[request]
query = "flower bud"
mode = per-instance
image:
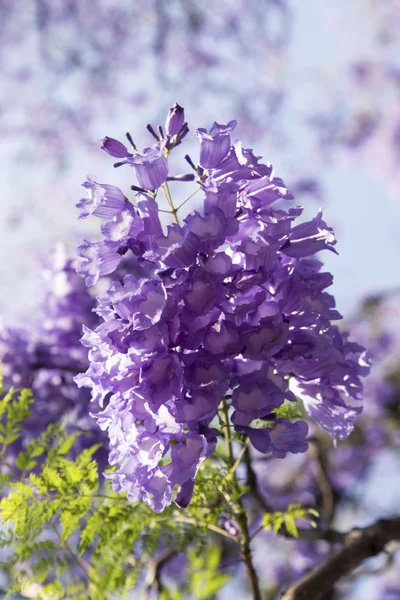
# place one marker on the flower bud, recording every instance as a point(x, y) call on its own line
point(175, 120)
point(115, 148)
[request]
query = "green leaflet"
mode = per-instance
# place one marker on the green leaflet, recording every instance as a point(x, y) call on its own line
point(277, 520)
point(291, 410)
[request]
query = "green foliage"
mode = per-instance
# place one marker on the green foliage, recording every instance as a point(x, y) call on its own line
point(71, 537)
point(85, 544)
point(287, 519)
point(89, 536)
point(14, 409)
point(291, 410)
point(215, 492)
point(171, 594)
point(204, 576)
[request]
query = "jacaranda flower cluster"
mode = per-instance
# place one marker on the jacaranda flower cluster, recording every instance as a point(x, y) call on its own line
point(46, 354)
point(228, 304)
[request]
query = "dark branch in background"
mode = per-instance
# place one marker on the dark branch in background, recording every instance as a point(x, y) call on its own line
point(321, 477)
point(358, 545)
point(390, 552)
point(153, 576)
point(252, 484)
point(312, 535)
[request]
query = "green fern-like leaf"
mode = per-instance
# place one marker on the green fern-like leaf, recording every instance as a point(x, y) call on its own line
point(205, 580)
point(276, 520)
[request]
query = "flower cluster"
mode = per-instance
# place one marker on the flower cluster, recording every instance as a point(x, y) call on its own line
point(46, 354)
point(229, 304)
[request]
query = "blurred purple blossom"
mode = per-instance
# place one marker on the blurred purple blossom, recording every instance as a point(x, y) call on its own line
point(45, 355)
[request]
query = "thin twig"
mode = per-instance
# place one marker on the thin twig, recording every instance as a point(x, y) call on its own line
point(210, 526)
point(167, 194)
point(188, 198)
point(240, 514)
point(239, 458)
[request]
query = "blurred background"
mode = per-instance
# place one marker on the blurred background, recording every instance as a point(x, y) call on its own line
point(315, 88)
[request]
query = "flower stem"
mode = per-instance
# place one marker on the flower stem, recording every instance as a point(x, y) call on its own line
point(240, 512)
point(227, 434)
point(188, 198)
point(240, 457)
point(168, 196)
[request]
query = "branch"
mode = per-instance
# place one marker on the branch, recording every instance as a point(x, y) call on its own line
point(328, 535)
point(358, 545)
point(390, 552)
point(252, 483)
point(321, 477)
point(240, 513)
point(153, 577)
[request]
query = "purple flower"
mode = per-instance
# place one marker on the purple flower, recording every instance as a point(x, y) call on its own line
point(288, 437)
point(223, 197)
point(151, 167)
point(186, 457)
point(47, 353)
point(214, 146)
point(162, 380)
point(120, 226)
point(333, 414)
point(209, 232)
point(97, 259)
point(308, 238)
point(265, 341)
point(257, 399)
point(200, 406)
point(264, 191)
point(15, 357)
point(223, 338)
point(104, 201)
point(281, 438)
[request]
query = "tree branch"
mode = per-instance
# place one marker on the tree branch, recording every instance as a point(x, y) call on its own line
point(358, 545)
point(153, 577)
point(252, 483)
point(328, 535)
point(327, 494)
